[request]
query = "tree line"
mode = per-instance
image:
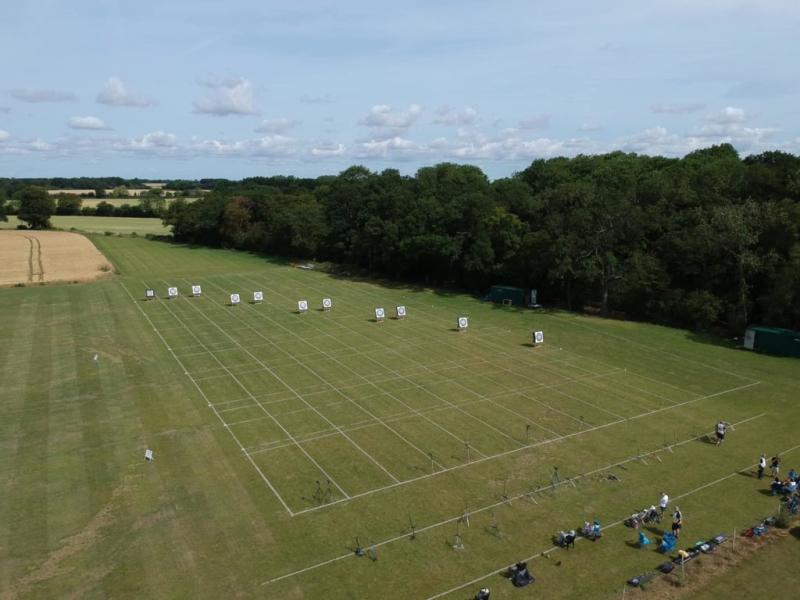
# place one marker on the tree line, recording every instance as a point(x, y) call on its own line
point(708, 241)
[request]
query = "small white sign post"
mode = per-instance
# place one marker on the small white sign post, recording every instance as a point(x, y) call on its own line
point(302, 306)
point(538, 338)
point(148, 455)
point(380, 314)
point(463, 323)
point(235, 299)
point(172, 292)
point(149, 294)
point(327, 304)
point(400, 312)
point(258, 297)
point(196, 291)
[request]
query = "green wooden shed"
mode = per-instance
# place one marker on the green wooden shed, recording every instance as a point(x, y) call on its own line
point(773, 340)
point(505, 294)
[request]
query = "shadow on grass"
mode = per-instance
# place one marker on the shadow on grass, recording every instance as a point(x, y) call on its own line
point(795, 532)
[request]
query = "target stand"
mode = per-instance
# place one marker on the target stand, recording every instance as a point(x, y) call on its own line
point(537, 338)
point(258, 297)
point(302, 306)
point(235, 299)
point(380, 315)
point(172, 292)
point(327, 304)
point(462, 323)
point(197, 291)
point(149, 294)
point(400, 312)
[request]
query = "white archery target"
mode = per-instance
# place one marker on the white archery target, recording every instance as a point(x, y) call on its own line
point(380, 314)
point(327, 303)
point(196, 290)
point(302, 305)
point(235, 299)
point(538, 337)
point(258, 296)
point(400, 311)
point(463, 322)
point(172, 292)
point(148, 293)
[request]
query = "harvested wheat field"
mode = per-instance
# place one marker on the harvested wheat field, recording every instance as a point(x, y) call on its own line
point(46, 256)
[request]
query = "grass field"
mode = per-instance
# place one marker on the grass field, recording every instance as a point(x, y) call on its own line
point(280, 438)
point(123, 225)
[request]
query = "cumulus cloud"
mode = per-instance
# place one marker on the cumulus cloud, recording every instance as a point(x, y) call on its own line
point(676, 109)
point(153, 142)
point(534, 122)
point(232, 96)
point(446, 115)
point(382, 116)
point(280, 125)
point(273, 146)
point(41, 95)
point(729, 115)
point(396, 147)
point(114, 93)
point(328, 149)
point(87, 123)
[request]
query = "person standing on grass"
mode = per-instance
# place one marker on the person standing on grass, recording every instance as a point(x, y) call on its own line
point(663, 502)
point(722, 427)
point(762, 464)
point(775, 463)
point(677, 522)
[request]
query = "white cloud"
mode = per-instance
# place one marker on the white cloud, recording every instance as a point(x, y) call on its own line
point(281, 125)
point(273, 146)
point(729, 115)
point(230, 97)
point(382, 116)
point(114, 93)
point(396, 147)
point(41, 95)
point(4, 135)
point(534, 122)
point(676, 109)
point(328, 150)
point(87, 123)
point(153, 142)
point(446, 115)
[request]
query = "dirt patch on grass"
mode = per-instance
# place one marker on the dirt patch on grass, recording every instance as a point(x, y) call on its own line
point(707, 569)
point(37, 257)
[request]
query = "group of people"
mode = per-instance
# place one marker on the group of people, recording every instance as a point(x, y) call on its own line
point(774, 463)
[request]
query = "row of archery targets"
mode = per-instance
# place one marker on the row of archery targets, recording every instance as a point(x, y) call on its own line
point(462, 323)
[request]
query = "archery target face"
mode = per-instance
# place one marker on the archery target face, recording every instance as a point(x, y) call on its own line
point(149, 293)
point(538, 337)
point(196, 291)
point(463, 322)
point(172, 292)
point(235, 299)
point(401, 311)
point(258, 296)
point(302, 305)
point(327, 303)
point(379, 313)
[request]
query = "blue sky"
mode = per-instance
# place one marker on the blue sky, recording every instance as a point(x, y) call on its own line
point(234, 89)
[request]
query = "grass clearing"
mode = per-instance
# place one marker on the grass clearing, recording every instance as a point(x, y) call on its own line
point(117, 225)
point(280, 437)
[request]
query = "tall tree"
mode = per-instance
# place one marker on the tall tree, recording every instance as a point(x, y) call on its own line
point(36, 207)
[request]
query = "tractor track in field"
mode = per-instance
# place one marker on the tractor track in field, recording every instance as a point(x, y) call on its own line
point(35, 265)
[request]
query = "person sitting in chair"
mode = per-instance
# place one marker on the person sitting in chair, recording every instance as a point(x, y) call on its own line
point(483, 594)
point(596, 533)
point(776, 486)
point(521, 576)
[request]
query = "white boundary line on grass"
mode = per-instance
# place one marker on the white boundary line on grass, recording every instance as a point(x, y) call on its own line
point(233, 435)
point(253, 397)
point(495, 505)
point(301, 398)
point(614, 524)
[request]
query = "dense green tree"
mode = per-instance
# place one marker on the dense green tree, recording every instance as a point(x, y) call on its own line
point(68, 204)
point(36, 207)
